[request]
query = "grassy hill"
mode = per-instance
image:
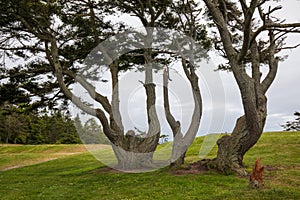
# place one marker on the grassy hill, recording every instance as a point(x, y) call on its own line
point(76, 176)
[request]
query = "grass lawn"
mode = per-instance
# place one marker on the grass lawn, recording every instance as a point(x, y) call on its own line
point(14, 156)
point(76, 176)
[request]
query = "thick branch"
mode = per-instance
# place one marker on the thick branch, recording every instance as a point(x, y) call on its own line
point(273, 64)
point(225, 35)
point(255, 63)
point(90, 89)
point(280, 27)
point(244, 5)
point(116, 118)
point(175, 125)
point(52, 56)
point(197, 113)
point(222, 27)
point(247, 30)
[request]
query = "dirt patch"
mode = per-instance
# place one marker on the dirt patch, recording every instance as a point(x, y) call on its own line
point(199, 167)
point(10, 145)
point(106, 170)
point(27, 164)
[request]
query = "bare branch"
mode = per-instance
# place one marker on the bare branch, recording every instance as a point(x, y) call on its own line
point(273, 10)
point(290, 47)
point(280, 27)
point(262, 2)
point(175, 125)
point(52, 56)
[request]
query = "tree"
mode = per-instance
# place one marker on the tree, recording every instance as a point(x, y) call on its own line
point(249, 37)
point(293, 125)
point(13, 124)
point(32, 29)
point(184, 17)
point(57, 128)
point(91, 133)
point(140, 148)
point(64, 32)
point(20, 126)
point(12, 94)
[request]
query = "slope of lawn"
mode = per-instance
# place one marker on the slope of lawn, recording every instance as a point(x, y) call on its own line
point(14, 156)
point(78, 177)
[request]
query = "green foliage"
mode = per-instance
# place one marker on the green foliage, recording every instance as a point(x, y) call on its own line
point(91, 133)
point(293, 125)
point(10, 92)
point(13, 124)
point(19, 126)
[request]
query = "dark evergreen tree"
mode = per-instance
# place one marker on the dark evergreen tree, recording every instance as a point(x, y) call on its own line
point(293, 125)
point(13, 124)
point(92, 133)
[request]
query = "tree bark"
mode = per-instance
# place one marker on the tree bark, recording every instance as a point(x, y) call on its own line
point(181, 143)
point(231, 149)
point(136, 155)
point(179, 162)
point(247, 131)
point(6, 139)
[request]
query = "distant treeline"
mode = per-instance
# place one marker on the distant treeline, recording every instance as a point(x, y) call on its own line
point(17, 126)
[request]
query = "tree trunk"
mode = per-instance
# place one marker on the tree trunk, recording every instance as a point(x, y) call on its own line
point(135, 158)
point(180, 161)
point(232, 148)
point(7, 138)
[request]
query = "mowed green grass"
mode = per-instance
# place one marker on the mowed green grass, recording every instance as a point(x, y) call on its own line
point(14, 156)
point(76, 177)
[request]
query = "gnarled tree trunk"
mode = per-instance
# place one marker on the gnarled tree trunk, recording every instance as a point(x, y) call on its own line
point(134, 159)
point(247, 131)
point(232, 148)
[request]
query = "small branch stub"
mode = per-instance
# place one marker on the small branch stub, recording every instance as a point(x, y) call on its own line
point(256, 175)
